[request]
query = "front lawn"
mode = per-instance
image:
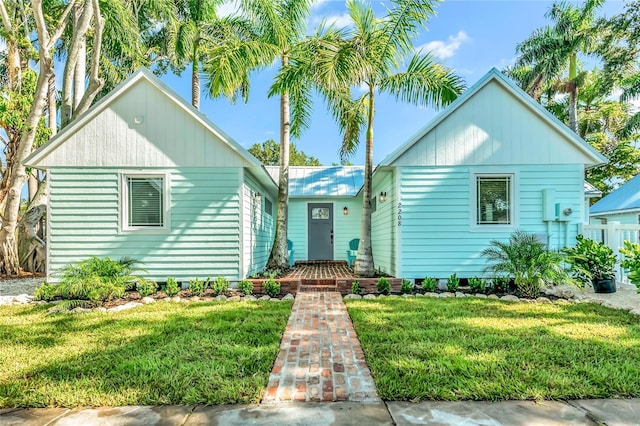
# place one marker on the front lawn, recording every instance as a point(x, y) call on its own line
point(164, 353)
point(479, 349)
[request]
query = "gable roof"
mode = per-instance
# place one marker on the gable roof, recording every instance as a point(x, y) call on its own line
point(625, 198)
point(591, 191)
point(332, 181)
point(593, 156)
point(111, 109)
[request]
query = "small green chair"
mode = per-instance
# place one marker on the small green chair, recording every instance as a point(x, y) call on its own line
point(290, 249)
point(353, 250)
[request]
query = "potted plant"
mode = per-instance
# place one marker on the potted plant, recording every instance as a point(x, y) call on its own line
point(593, 262)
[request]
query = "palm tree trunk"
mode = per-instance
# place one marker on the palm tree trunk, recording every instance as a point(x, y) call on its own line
point(195, 78)
point(364, 266)
point(279, 258)
point(573, 93)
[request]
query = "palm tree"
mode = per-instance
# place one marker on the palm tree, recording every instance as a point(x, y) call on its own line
point(277, 26)
point(369, 55)
point(550, 56)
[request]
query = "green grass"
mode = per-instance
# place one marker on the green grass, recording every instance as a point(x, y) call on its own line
point(165, 353)
point(478, 349)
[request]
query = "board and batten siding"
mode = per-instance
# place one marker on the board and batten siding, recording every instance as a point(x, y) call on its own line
point(204, 235)
point(384, 223)
point(258, 226)
point(345, 228)
point(437, 238)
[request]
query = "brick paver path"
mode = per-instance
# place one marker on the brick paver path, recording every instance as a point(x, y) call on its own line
point(320, 270)
point(320, 355)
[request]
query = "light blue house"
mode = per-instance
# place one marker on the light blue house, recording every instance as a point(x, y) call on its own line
point(622, 205)
point(143, 174)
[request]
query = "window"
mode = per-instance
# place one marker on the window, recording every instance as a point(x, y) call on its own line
point(321, 213)
point(494, 200)
point(144, 202)
point(268, 206)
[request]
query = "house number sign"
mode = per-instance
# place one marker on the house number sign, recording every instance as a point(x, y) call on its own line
point(399, 214)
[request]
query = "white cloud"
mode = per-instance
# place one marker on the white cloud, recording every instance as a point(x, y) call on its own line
point(445, 49)
point(340, 21)
point(317, 4)
point(227, 8)
point(504, 63)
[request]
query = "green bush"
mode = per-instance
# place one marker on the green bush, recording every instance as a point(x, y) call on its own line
point(631, 261)
point(220, 285)
point(355, 287)
point(246, 287)
point(171, 288)
point(46, 292)
point(453, 282)
point(383, 286)
point(476, 284)
point(589, 260)
point(499, 284)
point(106, 291)
point(147, 287)
point(429, 284)
point(198, 287)
point(271, 287)
point(406, 287)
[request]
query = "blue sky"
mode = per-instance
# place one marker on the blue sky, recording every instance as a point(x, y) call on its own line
point(468, 36)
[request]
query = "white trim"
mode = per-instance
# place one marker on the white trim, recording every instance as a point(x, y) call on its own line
point(243, 268)
point(514, 192)
point(47, 268)
point(394, 220)
point(123, 201)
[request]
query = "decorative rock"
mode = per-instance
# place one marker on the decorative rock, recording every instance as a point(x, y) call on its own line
point(176, 299)
point(221, 298)
point(125, 307)
point(249, 298)
point(419, 295)
point(635, 311)
point(493, 296)
point(543, 299)
point(562, 302)
point(22, 299)
point(509, 298)
point(459, 294)
point(207, 299)
point(6, 300)
point(480, 295)
point(352, 296)
point(265, 297)
point(562, 291)
point(101, 309)
point(234, 299)
point(369, 296)
point(431, 294)
point(393, 296)
point(408, 295)
point(195, 298)
point(442, 285)
point(147, 300)
point(80, 309)
point(288, 296)
point(274, 299)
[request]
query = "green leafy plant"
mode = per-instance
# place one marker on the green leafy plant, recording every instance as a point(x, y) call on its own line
point(147, 287)
point(525, 258)
point(383, 286)
point(355, 287)
point(271, 287)
point(220, 285)
point(198, 287)
point(429, 284)
point(477, 284)
point(631, 261)
point(406, 287)
point(246, 287)
point(171, 288)
point(453, 282)
point(499, 284)
point(589, 260)
point(46, 292)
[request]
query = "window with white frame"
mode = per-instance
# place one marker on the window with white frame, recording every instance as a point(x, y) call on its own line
point(144, 202)
point(494, 200)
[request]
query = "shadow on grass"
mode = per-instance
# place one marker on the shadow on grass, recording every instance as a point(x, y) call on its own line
point(493, 350)
point(210, 353)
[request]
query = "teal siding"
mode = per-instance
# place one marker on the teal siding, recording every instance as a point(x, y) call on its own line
point(258, 226)
point(384, 223)
point(204, 239)
point(345, 228)
point(623, 218)
point(437, 238)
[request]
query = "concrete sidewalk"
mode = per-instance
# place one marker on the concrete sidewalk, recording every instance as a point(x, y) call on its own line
point(611, 412)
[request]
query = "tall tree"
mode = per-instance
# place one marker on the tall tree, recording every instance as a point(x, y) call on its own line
point(550, 56)
point(277, 26)
point(369, 55)
point(269, 154)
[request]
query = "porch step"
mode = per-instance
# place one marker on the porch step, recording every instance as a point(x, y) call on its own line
point(318, 281)
point(317, 288)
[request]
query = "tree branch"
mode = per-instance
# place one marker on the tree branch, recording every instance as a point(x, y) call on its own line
point(95, 82)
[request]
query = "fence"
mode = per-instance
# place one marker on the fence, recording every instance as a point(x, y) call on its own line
point(613, 234)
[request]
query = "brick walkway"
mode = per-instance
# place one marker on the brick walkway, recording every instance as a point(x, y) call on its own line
point(314, 270)
point(320, 355)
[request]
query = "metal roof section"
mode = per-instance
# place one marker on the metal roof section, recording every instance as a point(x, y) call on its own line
point(627, 197)
point(332, 181)
point(591, 191)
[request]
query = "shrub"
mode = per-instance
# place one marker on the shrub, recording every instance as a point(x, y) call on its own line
point(406, 287)
point(246, 287)
point(453, 282)
point(429, 284)
point(499, 284)
point(589, 260)
point(197, 287)
point(631, 261)
point(271, 287)
point(477, 284)
point(355, 287)
point(105, 292)
point(383, 286)
point(220, 285)
point(46, 292)
point(171, 288)
point(147, 287)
